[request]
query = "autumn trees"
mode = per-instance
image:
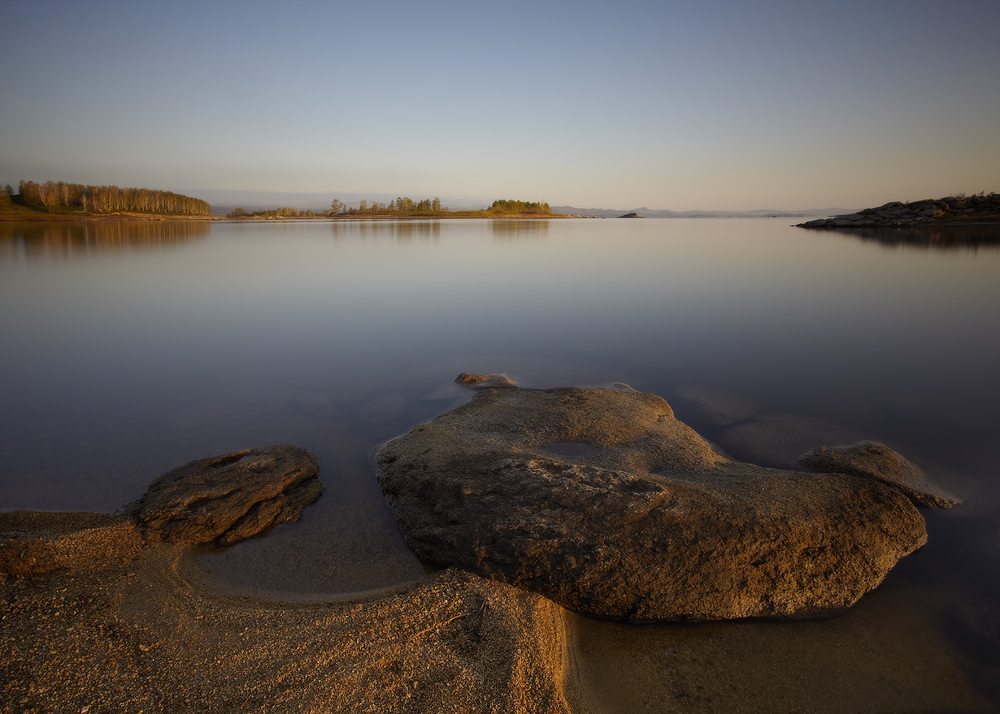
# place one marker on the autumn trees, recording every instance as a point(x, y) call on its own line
point(283, 212)
point(519, 207)
point(402, 206)
point(51, 195)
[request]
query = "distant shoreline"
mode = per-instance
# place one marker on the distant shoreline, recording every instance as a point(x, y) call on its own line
point(102, 218)
point(150, 217)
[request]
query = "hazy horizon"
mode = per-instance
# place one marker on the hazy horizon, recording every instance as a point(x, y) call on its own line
point(322, 199)
point(717, 106)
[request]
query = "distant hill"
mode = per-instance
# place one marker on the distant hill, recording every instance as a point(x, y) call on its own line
point(651, 213)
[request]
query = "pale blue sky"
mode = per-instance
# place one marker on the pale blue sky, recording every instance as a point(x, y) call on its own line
point(674, 105)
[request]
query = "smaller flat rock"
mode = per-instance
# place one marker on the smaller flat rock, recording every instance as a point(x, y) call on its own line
point(228, 498)
point(873, 460)
point(485, 381)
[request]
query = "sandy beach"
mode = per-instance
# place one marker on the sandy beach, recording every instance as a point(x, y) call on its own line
point(96, 619)
point(101, 621)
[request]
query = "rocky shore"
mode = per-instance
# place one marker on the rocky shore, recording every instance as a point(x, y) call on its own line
point(535, 503)
point(982, 209)
point(113, 613)
point(601, 500)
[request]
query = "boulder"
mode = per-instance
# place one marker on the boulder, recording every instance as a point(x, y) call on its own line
point(873, 460)
point(228, 498)
point(602, 501)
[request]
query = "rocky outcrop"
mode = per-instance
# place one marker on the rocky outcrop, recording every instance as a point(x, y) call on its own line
point(604, 502)
point(953, 210)
point(228, 498)
point(633, 214)
point(485, 381)
point(873, 460)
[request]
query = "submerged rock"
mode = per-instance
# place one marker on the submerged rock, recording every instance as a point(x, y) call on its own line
point(779, 439)
point(382, 410)
point(232, 497)
point(647, 524)
point(874, 460)
point(715, 406)
point(315, 404)
point(485, 381)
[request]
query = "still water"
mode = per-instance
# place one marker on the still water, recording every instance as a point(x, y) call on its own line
point(129, 349)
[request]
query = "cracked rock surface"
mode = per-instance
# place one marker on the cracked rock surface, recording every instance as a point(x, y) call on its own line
point(605, 503)
point(228, 498)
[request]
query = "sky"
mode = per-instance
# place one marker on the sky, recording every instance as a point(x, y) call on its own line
point(709, 105)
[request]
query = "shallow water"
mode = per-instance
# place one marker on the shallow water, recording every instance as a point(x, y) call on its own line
point(129, 349)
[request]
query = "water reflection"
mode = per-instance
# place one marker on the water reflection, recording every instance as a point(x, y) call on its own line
point(957, 238)
point(122, 366)
point(64, 239)
point(394, 230)
point(521, 229)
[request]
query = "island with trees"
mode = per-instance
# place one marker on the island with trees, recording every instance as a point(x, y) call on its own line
point(403, 207)
point(61, 200)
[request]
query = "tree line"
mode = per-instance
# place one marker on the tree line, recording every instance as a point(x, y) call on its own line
point(400, 206)
point(271, 213)
point(51, 195)
point(407, 206)
point(519, 207)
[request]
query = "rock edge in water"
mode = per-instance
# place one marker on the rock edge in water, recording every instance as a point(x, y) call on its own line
point(948, 211)
point(648, 523)
point(873, 460)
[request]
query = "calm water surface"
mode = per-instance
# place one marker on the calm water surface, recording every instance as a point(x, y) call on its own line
point(129, 349)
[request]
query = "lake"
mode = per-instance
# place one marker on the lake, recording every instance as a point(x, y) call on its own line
point(131, 348)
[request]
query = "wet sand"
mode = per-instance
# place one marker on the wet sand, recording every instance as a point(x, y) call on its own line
point(116, 624)
point(97, 619)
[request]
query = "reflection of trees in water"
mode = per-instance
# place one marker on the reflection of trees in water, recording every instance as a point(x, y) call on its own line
point(931, 237)
point(64, 238)
point(396, 230)
point(513, 229)
point(519, 229)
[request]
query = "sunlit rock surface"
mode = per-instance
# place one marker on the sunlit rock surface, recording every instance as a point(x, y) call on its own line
point(648, 523)
point(485, 381)
point(874, 460)
point(231, 497)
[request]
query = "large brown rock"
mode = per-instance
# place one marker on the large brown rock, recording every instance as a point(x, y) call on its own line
point(604, 502)
point(232, 497)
